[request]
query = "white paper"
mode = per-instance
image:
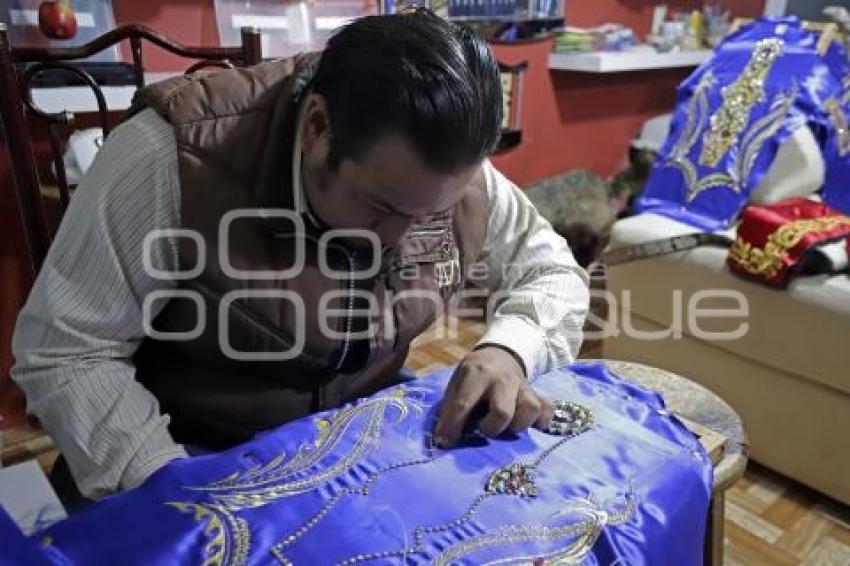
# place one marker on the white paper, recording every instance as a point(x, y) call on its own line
point(28, 498)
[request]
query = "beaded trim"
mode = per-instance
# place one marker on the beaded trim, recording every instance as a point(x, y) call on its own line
point(230, 538)
point(257, 487)
point(836, 108)
point(569, 420)
point(727, 120)
point(592, 519)
point(743, 161)
point(517, 478)
point(739, 98)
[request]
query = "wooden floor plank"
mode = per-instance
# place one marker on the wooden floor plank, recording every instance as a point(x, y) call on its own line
point(747, 548)
point(788, 509)
point(828, 552)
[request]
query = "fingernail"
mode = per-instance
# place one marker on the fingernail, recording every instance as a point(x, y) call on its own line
point(441, 442)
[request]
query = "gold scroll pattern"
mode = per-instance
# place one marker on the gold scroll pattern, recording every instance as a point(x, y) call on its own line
point(279, 478)
point(751, 143)
point(229, 537)
point(739, 98)
point(768, 261)
point(836, 108)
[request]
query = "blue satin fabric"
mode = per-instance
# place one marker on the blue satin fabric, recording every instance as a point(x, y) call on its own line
point(806, 77)
point(836, 189)
point(634, 489)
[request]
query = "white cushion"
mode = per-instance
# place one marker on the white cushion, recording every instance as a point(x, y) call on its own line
point(803, 330)
point(797, 171)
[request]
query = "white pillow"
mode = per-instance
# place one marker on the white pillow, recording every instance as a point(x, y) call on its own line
point(797, 171)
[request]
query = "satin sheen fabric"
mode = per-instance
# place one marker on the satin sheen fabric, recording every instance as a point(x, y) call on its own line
point(806, 85)
point(362, 485)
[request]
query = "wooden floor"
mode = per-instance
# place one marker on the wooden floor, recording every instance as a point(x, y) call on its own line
point(770, 520)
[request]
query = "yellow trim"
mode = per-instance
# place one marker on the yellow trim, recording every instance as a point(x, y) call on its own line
point(767, 261)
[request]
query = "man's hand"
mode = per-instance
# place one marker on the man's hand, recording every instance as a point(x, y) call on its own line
point(493, 378)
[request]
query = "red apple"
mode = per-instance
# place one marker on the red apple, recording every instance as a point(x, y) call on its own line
point(57, 20)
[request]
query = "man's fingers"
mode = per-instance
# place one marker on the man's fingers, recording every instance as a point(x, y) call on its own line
point(461, 397)
point(528, 407)
point(547, 411)
point(503, 398)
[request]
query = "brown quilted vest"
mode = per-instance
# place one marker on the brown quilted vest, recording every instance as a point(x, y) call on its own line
point(235, 132)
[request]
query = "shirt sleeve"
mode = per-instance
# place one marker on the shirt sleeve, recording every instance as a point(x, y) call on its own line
point(83, 321)
point(539, 294)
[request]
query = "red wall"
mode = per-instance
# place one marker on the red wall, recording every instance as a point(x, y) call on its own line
point(570, 120)
point(190, 22)
point(583, 120)
point(579, 120)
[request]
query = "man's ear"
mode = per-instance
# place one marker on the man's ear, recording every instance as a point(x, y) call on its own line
point(316, 132)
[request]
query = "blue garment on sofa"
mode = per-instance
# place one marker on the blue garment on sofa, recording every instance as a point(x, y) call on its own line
point(735, 111)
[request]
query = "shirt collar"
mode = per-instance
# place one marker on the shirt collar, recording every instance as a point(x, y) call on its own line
point(300, 204)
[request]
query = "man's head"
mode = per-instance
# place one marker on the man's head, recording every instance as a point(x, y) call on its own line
point(402, 111)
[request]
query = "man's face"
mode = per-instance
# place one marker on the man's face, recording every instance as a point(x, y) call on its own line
point(384, 191)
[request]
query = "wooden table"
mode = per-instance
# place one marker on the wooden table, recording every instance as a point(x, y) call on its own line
point(718, 427)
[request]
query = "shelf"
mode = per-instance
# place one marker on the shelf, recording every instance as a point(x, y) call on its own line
point(80, 99)
point(617, 61)
point(505, 19)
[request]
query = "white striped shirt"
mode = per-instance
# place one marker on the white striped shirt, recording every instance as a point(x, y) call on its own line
point(82, 323)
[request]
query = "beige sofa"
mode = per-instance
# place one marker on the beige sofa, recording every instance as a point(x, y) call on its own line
point(788, 376)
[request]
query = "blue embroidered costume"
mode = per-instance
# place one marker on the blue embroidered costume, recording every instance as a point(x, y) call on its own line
point(615, 479)
point(734, 113)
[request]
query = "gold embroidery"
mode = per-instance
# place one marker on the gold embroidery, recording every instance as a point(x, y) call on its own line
point(828, 32)
point(574, 420)
point(739, 98)
point(230, 537)
point(260, 486)
point(227, 544)
point(743, 161)
point(697, 114)
point(836, 108)
point(768, 261)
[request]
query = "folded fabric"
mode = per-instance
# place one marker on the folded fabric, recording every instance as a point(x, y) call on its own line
point(778, 241)
point(616, 480)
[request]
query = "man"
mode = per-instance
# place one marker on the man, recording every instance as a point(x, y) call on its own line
point(259, 244)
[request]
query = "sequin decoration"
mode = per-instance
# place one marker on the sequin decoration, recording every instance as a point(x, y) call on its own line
point(516, 479)
point(739, 98)
point(570, 419)
point(742, 162)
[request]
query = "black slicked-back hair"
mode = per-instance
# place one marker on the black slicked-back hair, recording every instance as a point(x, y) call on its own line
point(415, 74)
